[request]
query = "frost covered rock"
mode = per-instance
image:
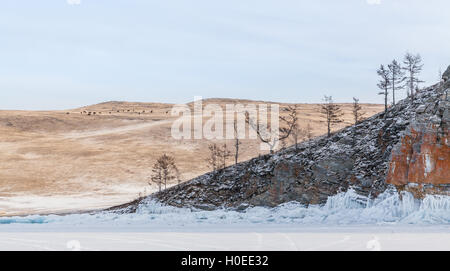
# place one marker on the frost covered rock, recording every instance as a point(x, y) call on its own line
point(446, 75)
point(367, 158)
point(422, 157)
point(421, 108)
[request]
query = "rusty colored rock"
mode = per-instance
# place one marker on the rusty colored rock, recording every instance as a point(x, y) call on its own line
point(422, 158)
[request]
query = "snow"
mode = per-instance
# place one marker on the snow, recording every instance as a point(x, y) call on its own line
point(429, 167)
point(347, 221)
point(225, 241)
point(347, 208)
point(114, 194)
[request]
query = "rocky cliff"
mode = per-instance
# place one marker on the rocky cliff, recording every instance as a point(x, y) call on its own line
point(406, 147)
point(446, 75)
point(420, 163)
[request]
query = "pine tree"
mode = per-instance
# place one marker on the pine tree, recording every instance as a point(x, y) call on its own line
point(308, 132)
point(237, 142)
point(293, 125)
point(356, 110)
point(396, 76)
point(164, 171)
point(413, 67)
point(332, 112)
point(224, 154)
point(214, 157)
point(357, 116)
point(384, 84)
point(218, 157)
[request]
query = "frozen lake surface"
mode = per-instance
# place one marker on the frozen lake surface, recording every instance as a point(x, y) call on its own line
point(294, 239)
point(346, 222)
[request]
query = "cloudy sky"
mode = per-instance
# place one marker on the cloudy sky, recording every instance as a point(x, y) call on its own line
point(57, 54)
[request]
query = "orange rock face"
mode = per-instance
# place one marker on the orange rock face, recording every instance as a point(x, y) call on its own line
point(422, 158)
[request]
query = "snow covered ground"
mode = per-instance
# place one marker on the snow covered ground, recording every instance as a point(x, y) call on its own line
point(100, 197)
point(306, 239)
point(346, 222)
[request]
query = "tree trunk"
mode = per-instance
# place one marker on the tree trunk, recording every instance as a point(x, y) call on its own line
point(236, 155)
point(393, 90)
point(328, 127)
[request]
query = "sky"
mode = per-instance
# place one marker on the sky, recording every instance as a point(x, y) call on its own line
point(60, 54)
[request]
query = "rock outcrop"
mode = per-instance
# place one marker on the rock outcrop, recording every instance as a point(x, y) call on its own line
point(446, 75)
point(407, 147)
point(446, 78)
point(421, 161)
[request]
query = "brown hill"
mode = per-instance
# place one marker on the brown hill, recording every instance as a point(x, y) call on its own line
point(100, 155)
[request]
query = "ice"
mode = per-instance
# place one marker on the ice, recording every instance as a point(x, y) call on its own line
point(347, 208)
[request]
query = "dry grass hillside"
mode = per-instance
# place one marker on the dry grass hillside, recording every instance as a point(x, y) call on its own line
point(101, 155)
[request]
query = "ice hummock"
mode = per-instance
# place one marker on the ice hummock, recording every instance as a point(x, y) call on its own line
point(347, 208)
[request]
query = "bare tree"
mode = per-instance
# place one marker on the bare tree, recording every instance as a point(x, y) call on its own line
point(356, 110)
point(308, 131)
point(237, 142)
point(213, 160)
point(384, 84)
point(413, 67)
point(164, 171)
point(286, 126)
point(297, 132)
point(357, 117)
point(300, 134)
point(332, 112)
point(224, 154)
point(218, 156)
point(308, 135)
point(396, 76)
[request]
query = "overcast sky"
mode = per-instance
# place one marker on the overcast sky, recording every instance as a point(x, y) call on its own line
point(57, 54)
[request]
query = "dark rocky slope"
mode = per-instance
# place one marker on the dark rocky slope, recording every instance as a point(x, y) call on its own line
point(359, 157)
